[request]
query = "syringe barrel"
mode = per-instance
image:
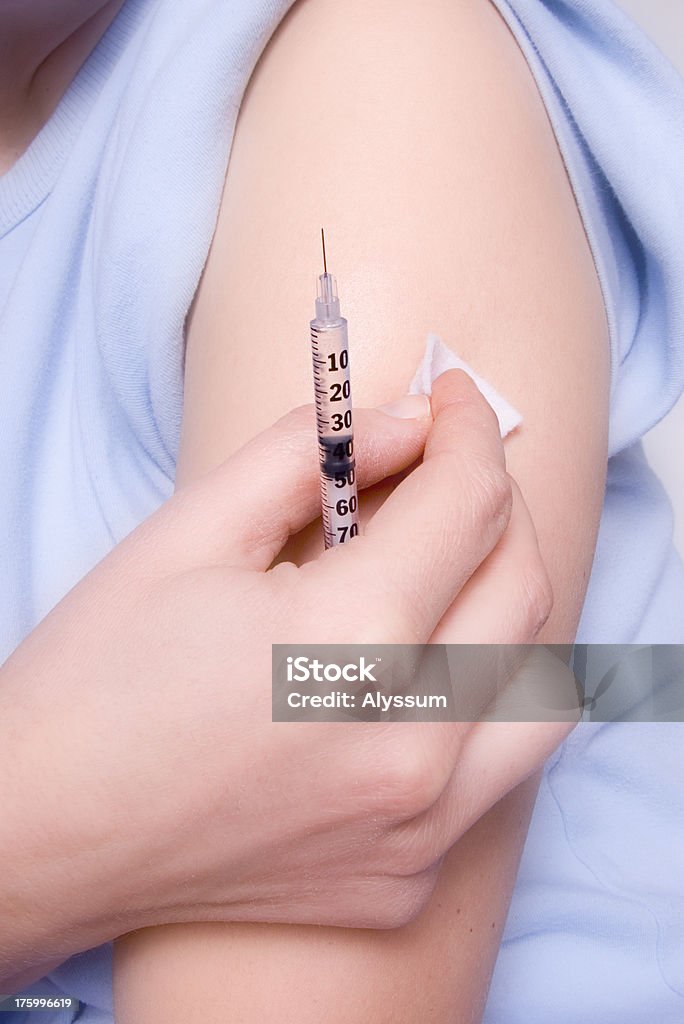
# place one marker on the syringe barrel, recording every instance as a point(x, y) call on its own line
point(332, 389)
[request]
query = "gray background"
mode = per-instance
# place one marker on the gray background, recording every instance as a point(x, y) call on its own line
point(663, 20)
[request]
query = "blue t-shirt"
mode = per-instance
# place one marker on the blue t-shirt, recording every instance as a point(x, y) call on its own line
point(105, 225)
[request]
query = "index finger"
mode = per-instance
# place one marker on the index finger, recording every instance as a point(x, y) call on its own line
point(439, 524)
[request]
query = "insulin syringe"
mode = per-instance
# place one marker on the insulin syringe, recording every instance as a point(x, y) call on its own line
point(332, 389)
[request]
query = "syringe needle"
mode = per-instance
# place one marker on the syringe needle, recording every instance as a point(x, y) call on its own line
point(325, 265)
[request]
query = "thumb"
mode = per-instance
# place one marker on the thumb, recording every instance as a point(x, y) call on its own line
point(270, 489)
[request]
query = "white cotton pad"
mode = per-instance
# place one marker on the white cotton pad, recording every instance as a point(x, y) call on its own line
point(438, 358)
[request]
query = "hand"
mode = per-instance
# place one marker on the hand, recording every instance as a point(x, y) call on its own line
point(159, 789)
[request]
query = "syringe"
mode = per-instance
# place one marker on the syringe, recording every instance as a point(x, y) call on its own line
point(332, 389)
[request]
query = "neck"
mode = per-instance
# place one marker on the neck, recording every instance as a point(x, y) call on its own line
point(43, 43)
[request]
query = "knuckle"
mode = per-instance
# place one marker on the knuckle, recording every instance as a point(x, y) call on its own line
point(415, 849)
point(491, 492)
point(406, 899)
point(410, 777)
point(387, 615)
point(284, 574)
point(536, 597)
point(419, 846)
point(396, 614)
point(298, 417)
point(281, 590)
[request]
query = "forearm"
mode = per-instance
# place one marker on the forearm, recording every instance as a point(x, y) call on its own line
point(436, 968)
point(62, 878)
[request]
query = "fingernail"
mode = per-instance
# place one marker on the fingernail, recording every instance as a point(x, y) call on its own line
point(410, 407)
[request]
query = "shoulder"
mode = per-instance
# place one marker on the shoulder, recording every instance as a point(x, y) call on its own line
point(414, 132)
point(386, 75)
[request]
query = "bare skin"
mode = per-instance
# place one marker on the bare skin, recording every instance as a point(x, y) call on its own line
point(178, 809)
point(448, 208)
point(556, 381)
point(134, 884)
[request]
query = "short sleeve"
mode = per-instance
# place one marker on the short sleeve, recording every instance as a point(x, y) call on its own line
point(617, 108)
point(157, 198)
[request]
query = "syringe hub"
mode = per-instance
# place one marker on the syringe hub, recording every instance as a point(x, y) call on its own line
point(327, 303)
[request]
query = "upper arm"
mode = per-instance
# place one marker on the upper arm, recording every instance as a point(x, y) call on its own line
point(414, 133)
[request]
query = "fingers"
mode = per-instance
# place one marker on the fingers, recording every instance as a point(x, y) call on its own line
point(490, 758)
point(495, 758)
point(509, 598)
point(502, 607)
point(270, 488)
point(438, 525)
